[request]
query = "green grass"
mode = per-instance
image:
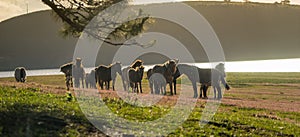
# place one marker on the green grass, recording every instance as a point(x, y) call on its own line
point(263, 77)
point(31, 112)
point(55, 80)
point(27, 112)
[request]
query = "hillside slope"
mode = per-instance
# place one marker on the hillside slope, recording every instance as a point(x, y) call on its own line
point(246, 31)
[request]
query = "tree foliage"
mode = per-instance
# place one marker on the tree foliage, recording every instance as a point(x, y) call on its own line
point(77, 14)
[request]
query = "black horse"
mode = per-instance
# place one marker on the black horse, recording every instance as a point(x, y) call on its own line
point(167, 70)
point(67, 70)
point(104, 74)
point(135, 78)
point(20, 74)
point(125, 76)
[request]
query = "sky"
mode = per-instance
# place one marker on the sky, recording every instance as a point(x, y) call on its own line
point(12, 8)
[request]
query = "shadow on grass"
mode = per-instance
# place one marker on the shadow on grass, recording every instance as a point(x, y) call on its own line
point(26, 120)
point(231, 125)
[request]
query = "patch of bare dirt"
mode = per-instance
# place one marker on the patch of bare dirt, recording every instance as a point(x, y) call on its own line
point(40, 87)
point(270, 104)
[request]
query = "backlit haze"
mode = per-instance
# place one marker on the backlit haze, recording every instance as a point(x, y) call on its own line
point(12, 8)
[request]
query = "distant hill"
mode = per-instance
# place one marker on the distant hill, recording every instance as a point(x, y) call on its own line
point(247, 31)
point(33, 41)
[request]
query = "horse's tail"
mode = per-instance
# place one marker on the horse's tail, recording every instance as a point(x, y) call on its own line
point(224, 82)
point(96, 75)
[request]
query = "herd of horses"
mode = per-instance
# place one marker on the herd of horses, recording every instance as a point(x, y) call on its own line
point(158, 77)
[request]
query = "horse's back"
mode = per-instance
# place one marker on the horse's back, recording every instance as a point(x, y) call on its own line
point(159, 69)
point(103, 72)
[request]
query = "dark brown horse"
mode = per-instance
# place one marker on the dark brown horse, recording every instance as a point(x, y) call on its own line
point(104, 74)
point(204, 87)
point(20, 74)
point(205, 77)
point(135, 78)
point(125, 77)
point(90, 80)
point(67, 70)
point(78, 73)
point(212, 77)
point(167, 69)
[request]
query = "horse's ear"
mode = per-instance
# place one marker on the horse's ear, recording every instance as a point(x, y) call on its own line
point(167, 63)
point(118, 62)
point(176, 61)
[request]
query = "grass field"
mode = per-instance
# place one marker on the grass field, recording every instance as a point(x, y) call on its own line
point(258, 104)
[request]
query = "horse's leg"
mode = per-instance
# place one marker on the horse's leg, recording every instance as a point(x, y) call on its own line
point(205, 89)
point(201, 90)
point(137, 87)
point(77, 82)
point(175, 82)
point(215, 92)
point(101, 84)
point(151, 87)
point(86, 84)
point(82, 82)
point(108, 85)
point(219, 92)
point(128, 85)
point(164, 91)
point(113, 84)
point(68, 84)
point(156, 87)
point(195, 89)
point(171, 87)
point(134, 87)
point(141, 86)
point(123, 82)
point(71, 79)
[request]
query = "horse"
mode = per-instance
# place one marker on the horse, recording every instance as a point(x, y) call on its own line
point(20, 74)
point(78, 73)
point(90, 80)
point(156, 81)
point(212, 77)
point(191, 72)
point(135, 78)
point(203, 76)
point(204, 87)
point(67, 70)
point(167, 69)
point(125, 78)
point(104, 74)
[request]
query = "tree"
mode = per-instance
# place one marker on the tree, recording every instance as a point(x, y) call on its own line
point(285, 2)
point(76, 15)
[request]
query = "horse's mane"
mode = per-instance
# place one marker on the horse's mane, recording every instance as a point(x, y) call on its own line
point(103, 66)
point(133, 65)
point(115, 63)
point(66, 65)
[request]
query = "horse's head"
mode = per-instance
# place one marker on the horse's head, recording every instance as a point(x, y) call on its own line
point(171, 66)
point(67, 68)
point(117, 67)
point(149, 73)
point(78, 61)
point(141, 69)
point(220, 67)
point(136, 63)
